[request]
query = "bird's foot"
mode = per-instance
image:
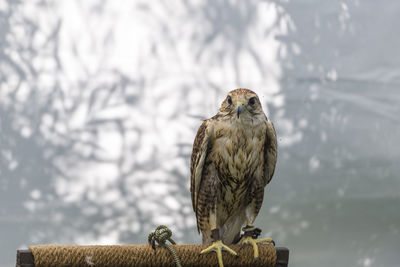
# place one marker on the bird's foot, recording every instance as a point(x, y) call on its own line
point(218, 246)
point(250, 238)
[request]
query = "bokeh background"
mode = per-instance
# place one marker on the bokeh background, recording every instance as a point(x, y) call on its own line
point(100, 101)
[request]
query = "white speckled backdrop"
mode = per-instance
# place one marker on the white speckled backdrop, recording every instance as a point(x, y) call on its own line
point(100, 101)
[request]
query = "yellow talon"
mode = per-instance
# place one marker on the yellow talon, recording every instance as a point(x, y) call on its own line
point(251, 241)
point(218, 246)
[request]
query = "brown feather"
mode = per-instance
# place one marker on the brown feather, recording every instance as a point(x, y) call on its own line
point(270, 152)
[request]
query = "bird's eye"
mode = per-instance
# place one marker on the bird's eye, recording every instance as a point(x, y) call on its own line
point(229, 100)
point(252, 101)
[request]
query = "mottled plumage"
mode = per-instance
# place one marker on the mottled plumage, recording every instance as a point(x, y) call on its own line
point(233, 159)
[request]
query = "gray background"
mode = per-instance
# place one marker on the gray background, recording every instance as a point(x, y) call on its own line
point(100, 102)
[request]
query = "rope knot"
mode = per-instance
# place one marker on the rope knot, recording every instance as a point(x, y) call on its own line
point(161, 235)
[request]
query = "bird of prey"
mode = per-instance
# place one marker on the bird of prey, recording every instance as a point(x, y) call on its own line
point(233, 159)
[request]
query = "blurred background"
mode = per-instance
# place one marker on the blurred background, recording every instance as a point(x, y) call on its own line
point(100, 101)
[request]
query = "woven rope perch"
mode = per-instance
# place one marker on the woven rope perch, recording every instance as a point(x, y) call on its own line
point(144, 255)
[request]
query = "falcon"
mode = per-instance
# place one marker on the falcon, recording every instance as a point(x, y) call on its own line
point(233, 159)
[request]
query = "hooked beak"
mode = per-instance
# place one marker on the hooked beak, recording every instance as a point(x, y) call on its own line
point(239, 109)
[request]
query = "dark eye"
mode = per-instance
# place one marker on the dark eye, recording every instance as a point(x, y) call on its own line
point(252, 101)
point(229, 100)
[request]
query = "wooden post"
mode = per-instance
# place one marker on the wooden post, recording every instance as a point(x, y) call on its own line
point(25, 258)
point(282, 257)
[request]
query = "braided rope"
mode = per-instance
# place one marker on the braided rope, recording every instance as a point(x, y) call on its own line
point(143, 255)
point(161, 235)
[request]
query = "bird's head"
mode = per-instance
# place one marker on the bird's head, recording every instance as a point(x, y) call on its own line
point(242, 104)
